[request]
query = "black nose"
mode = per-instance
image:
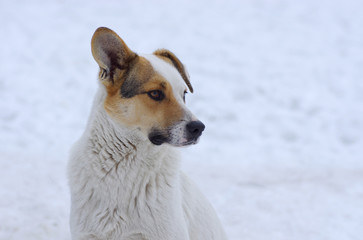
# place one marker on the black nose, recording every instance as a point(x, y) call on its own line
point(195, 128)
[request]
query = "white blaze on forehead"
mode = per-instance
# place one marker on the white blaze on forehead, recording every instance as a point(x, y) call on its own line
point(170, 73)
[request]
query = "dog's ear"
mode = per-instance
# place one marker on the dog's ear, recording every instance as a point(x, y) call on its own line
point(110, 52)
point(177, 64)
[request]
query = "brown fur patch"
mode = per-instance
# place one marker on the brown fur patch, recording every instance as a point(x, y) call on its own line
point(138, 74)
point(127, 100)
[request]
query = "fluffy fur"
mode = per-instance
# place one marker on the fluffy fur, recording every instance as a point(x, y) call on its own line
point(125, 187)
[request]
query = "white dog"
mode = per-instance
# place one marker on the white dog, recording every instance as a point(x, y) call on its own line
point(124, 171)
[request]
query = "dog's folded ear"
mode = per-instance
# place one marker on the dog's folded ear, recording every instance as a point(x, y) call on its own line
point(110, 52)
point(164, 53)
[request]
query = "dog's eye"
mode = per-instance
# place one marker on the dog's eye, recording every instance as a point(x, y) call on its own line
point(156, 95)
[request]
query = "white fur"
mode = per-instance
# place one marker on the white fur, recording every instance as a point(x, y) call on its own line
point(124, 187)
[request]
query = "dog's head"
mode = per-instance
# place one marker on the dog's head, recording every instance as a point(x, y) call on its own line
point(145, 92)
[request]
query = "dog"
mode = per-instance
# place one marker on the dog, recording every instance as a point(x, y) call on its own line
point(124, 172)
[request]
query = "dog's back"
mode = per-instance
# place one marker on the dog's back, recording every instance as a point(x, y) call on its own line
point(124, 175)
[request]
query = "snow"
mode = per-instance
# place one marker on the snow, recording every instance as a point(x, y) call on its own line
point(277, 83)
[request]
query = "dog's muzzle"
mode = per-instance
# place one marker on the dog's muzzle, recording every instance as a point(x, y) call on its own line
point(176, 136)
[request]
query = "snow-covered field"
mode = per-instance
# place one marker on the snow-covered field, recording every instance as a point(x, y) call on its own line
point(279, 85)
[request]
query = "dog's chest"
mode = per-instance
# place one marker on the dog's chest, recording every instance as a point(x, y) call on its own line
point(148, 204)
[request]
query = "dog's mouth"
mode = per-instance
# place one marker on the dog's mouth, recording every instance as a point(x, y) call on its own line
point(158, 138)
point(178, 135)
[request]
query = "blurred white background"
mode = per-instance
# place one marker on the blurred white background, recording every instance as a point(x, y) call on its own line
point(279, 85)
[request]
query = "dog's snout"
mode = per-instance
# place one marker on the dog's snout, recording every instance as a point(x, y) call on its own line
point(195, 128)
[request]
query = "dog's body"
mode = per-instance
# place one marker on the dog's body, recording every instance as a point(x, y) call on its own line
point(125, 183)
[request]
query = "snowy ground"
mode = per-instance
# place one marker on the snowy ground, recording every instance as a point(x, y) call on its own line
point(279, 85)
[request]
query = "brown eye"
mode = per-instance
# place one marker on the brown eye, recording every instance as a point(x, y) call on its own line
point(156, 95)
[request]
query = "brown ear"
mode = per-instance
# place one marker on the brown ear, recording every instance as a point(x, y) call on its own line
point(110, 52)
point(177, 64)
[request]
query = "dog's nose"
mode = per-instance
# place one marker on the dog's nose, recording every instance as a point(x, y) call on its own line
point(195, 128)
